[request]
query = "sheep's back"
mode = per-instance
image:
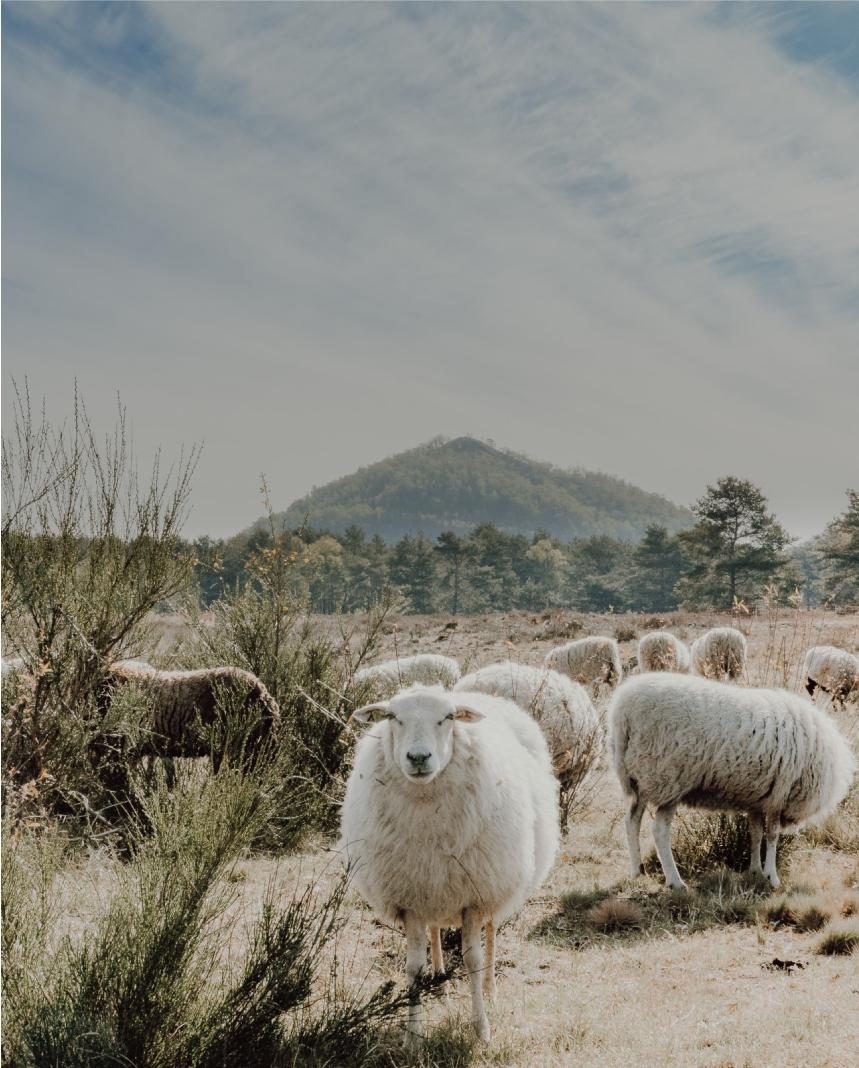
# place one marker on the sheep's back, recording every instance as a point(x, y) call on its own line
point(693, 741)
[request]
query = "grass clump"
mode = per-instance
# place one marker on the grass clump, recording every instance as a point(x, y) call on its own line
point(839, 939)
point(804, 912)
point(615, 914)
point(631, 911)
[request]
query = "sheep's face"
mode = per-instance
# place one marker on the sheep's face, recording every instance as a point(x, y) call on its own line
point(420, 725)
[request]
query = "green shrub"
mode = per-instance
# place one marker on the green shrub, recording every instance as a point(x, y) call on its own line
point(263, 628)
point(144, 984)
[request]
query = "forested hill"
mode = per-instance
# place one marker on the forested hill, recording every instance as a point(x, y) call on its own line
point(455, 485)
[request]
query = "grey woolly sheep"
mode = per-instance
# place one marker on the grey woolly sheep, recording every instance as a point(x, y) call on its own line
point(387, 678)
point(662, 651)
point(562, 708)
point(835, 671)
point(719, 652)
point(589, 661)
point(676, 739)
point(180, 703)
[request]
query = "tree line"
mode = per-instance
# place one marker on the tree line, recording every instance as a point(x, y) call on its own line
point(734, 552)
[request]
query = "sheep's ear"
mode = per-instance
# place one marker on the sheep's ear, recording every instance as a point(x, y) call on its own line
point(372, 713)
point(467, 714)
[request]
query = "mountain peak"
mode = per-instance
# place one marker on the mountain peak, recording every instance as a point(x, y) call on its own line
point(456, 484)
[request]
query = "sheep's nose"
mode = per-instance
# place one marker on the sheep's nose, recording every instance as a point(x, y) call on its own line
point(418, 759)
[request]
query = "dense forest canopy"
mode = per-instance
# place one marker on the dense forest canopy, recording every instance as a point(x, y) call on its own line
point(735, 554)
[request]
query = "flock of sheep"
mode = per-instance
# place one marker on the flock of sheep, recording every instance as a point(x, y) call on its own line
point(451, 811)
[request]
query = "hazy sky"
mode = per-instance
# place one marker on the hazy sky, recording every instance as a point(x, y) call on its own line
point(621, 237)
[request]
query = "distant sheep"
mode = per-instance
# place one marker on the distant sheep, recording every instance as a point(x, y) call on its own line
point(719, 652)
point(563, 709)
point(450, 820)
point(589, 661)
point(835, 671)
point(387, 678)
point(661, 651)
point(181, 702)
point(682, 740)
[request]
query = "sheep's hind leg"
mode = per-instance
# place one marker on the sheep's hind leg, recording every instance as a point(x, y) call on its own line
point(489, 988)
point(472, 955)
point(756, 833)
point(633, 835)
point(773, 831)
point(662, 836)
point(416, 958)
point(438, 957)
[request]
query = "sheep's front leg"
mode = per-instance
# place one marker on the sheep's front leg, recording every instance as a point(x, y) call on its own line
point(756, 833)
point(662, 836)
point(633, 835)
point(416, 957)
point(472, 955)
point(773, 830)
point(489, 988)
point(438, 957)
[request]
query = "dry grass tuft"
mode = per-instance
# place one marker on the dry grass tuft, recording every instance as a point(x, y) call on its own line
point(839, 939)
point(840, 831)
point(804, 912)
point(850, 904)
point(615, 914)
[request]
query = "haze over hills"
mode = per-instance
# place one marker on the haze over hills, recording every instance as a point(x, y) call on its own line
point(454, 485)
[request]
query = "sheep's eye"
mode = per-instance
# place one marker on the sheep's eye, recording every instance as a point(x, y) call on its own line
point(450, 715)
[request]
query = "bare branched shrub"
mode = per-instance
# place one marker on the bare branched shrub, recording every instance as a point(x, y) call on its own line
point(578, 772)
point(90, 548)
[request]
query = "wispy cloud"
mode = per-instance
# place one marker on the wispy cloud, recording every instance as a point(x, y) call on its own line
point(617, 236)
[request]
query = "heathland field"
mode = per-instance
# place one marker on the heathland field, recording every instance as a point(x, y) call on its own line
point(597, 969)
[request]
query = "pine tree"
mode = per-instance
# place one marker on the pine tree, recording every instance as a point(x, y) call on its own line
point(452, 551)
point(735, 547)
point(839, 549)
point(657, 566)
point(413, 570)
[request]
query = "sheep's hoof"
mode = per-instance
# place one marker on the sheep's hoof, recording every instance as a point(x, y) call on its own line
point(678, 886)
point(775, 882)
point(481, 1029)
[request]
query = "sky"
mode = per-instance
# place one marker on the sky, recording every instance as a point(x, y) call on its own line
point(307, 236)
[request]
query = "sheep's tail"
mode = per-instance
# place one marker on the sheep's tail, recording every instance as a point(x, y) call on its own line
point(619, 740)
